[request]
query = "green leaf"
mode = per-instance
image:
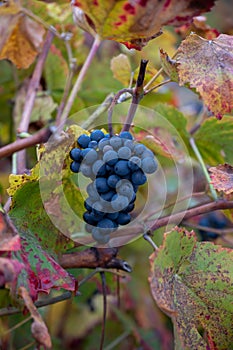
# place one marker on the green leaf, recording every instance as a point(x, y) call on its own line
point(28, 214)
point(192, 282)
point(214, 140)
point(207, 65)
point(56, 70)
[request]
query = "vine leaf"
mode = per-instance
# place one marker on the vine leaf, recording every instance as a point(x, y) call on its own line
point(20, 37)
point(207, 65)
point(214, 140)
point(222, 178)
point(9, 240)
point(121, 68)
point(38, 327)
point(192, 282)
point(200, 27)
point(134, 23)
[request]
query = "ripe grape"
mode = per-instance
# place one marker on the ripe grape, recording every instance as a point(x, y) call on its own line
point(83, 140)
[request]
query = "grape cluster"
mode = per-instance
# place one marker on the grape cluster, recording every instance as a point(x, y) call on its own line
point(117, 166)
point(212, 220)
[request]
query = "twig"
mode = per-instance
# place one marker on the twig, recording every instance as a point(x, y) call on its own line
point(222, 231)
point(148, 238)
point(114, 102)
point(157, 86)
point(31, 96)
point(34, 84)
point(199, 157)
point(93, 258)
point(64, 97)
point(201, 209)
point(79, 80)
point(138, 93)
point(101, 109)
point(104, 291)
point(20, 144)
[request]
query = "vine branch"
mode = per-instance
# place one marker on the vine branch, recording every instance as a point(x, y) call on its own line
point(138, 93)
point(20, 144)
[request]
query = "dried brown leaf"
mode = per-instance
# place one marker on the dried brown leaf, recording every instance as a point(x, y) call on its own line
point(222, 178)
point(207, 65)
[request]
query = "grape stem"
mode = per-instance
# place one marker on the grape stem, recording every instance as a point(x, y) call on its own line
point(114, 102)
point(138, 93)
point(199, 157)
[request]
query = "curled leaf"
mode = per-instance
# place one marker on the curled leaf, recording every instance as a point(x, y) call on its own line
point(207, 65)
point(38, 328)
point(20, 37)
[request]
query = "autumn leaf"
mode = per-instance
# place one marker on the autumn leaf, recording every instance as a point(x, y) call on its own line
point(20, 36)
point(207, 65)
point(121, 68)
point(134, 23)
point(199, 27)
point(192, 283)
point(222, 178)
point(9, 238)
point(169, 66)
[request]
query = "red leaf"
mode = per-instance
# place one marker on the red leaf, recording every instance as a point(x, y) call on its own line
point(134, 23)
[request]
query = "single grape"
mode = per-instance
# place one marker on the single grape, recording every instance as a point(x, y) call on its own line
point(93, 144)
point(85, 151)
point(149, 165)
point(112, 216)
point(101, 185)
point(107, 196)
point(90, 157)
point(129, 208)
point(92, 191)
point(119, 202)
point(138, 177)
point(139, 149)
point(123, 218)
point(75, 166)
point(113, 180)
point(99, 168)
point(125, 188)
point(88, 204)
point(99, 237)
point(115, 142)
point(89, 218)
point(103, 142)
point(147, 153)
point(83, 140)
point(97, 135)
point(86, 170)
point(134, 163)
point(107, 148)
point(89, 228)
point(124, 152)
point(75, 154)
point(126, 135)
point(121, 168)
point(110, 170)
point(110, 157)
point(130, 144)
point(98, 209)
point(107, 225)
